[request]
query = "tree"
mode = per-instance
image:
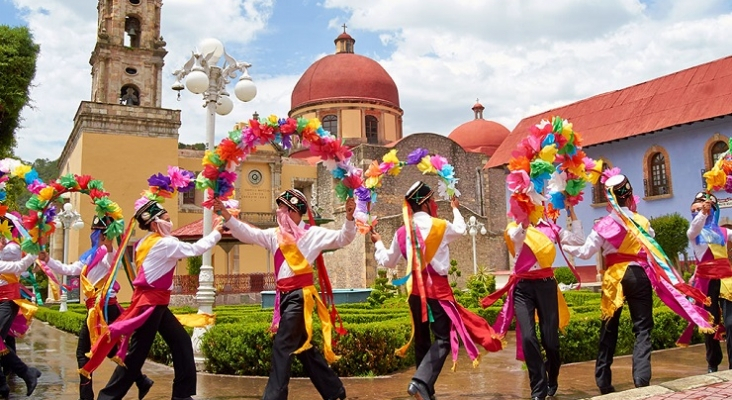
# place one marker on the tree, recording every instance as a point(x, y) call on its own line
point(671, 234)
point(18, 56)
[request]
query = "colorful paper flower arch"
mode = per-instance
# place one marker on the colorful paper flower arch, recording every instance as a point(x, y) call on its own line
point(161, 187)
point(42, 209)
point(12, 168)
point(548, 166)
point(720, 176)
point(219, 166)
point(365, 190)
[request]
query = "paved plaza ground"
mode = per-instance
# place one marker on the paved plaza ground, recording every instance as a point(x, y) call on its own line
point(499, 377)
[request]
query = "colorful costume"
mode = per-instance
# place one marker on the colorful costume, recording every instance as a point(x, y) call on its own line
point(156, 256)
point(297, 297)
point(532, 290)
point(15, 312)
point(633, 270)
point(423, 241)
point(709, 243)
point(93, 269)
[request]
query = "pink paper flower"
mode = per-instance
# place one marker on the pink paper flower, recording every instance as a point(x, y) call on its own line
point(518, 181)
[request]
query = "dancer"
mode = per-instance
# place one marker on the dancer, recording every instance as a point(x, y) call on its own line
point(709, 242)
point(533, 291)
point(635, 267)
point(93, 268)
point(430, 291)
point(296, 247)
point(9, 307)
point(156, 256)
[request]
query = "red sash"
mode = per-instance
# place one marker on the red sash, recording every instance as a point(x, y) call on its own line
point(718, 268)
point(10, 291)
point(295, 282)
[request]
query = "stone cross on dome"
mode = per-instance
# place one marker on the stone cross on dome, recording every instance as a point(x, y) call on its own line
point(344, 28)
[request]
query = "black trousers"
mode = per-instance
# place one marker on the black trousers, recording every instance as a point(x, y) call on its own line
point(291, 334)
point(531, 297)
point(430, 356)
point(10, 361)
point(639, 296)
point(83, 346)
point(713, 347)
point(163, 321)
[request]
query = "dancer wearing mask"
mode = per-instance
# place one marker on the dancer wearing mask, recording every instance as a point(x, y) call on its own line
point(297, 247)
point(156, 256)
point(709, 243)
point(430, 291)
point(93, 268)
point(532, 291)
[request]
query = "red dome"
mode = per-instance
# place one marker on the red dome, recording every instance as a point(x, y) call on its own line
point(345, 76)
point(480, 136)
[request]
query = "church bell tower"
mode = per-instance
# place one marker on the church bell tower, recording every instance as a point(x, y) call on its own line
point(127, 61)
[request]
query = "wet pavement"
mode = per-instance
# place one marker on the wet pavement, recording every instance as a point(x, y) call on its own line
point(499, 376)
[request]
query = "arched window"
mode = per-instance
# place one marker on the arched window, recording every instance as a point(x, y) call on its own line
point(372, 130)
point(132, 32)
point(598, 191)
point(129, 96)
point(330, 124)
point(717, 151)
point(659, 178)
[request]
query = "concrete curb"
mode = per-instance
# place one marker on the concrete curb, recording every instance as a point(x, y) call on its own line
point(678, 385)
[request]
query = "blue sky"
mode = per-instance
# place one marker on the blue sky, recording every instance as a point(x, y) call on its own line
point(519, 57)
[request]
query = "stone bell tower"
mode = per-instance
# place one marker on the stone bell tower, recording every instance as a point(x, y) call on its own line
point(127, 60)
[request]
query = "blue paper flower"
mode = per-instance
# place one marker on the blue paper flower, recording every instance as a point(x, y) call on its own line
point(31, 176)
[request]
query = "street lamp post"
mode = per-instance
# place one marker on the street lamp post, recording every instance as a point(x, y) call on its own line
point(473, 226)
point(66, 219)
point(203, 75)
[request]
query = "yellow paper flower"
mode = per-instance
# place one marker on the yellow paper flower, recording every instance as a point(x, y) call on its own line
point(5, 230)
point(548, 153)
point(21, 170)
point(425, 166)
point(536, 214)
point(391, 157)
point(577, 169)
point(314, 124)
point(272, 119)
point(395, 170)
point(566, 129)
point(46, 193)
point(207, 158)
point(116, 213)
point(715, 179)
point(372, 182)
point(595, 173)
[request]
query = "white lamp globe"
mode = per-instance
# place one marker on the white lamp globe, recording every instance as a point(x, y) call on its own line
point(224, 105)
point(68, 207)
point(211, 46)
point(245, 90)
point(78, 225)
point(472, 220)
point(473, 231)
point(57, 222)
point(197, 81)
point(483, 231)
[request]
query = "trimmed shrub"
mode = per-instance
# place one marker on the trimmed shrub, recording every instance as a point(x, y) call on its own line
point(564, 275)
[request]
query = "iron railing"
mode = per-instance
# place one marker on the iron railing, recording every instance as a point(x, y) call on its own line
point(226, 283)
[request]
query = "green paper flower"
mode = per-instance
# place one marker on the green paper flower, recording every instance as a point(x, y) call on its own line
point(35, 204)
point(203, 183)
point(343, 192)
point(29, 247)
point(574, 186)
point(95, 184)
point(540, 166)
point(557, 124)
point(68, 181)
point(115, 229)
point(104, 206)
point(235, 136)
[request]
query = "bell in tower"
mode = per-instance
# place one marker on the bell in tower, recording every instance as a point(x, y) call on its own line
point(127, 60)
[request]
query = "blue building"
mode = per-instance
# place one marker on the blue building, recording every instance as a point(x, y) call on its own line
point(663, 134)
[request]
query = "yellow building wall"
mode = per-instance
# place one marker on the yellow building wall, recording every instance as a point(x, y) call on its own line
point(255, 197)
point(351, 124)
point(390, 127)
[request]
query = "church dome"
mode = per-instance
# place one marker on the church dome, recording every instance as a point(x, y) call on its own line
point(345, 76)
point(479, 135)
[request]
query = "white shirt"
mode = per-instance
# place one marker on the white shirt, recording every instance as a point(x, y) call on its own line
point(315, 240)
point(96, 274)
point(595, 242)
point(11, 262)
point(695, 228)
point(165, 253)
point(423, 221)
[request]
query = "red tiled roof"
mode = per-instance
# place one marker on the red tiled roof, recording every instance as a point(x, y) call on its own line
point(194, 231)
point(690, 95)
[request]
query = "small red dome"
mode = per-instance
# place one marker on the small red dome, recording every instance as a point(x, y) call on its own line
point(345, 76)
point(480, 136)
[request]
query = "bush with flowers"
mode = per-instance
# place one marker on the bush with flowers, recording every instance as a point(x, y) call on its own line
point(550, 166)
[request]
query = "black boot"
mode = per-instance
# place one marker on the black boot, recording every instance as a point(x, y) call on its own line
point(418, 390)
point(341, 394)
point(183, 398)
point(143, 386)
point(4, 391)
point(31, 379)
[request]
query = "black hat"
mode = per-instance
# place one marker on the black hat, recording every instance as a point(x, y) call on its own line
point(294, 199)
point(101, 224)
point(418, 193)
point(147, 213)
point(620, 186)
point(703, 196)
